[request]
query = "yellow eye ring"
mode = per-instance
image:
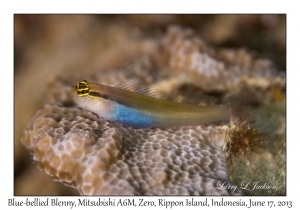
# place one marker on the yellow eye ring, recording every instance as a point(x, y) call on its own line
point(82, 88)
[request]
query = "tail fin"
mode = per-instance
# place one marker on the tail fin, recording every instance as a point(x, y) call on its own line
point(240, 106)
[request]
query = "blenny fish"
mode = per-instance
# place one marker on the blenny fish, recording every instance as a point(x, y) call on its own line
point(133, 108)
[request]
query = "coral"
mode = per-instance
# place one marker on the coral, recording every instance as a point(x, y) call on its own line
point(190, 57)
point(86, 152)
point(76, 148)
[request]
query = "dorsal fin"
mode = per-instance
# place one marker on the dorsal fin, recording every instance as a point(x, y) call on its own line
point(130, 85)
point(137, 87)
point(193, 99)
point(182, 97)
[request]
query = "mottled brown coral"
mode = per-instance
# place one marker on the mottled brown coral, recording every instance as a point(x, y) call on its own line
point(194, 60)
point(76, 148)
point(81, 150)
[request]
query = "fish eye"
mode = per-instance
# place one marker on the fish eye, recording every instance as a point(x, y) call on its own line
point(83, 92)
point(82, 88)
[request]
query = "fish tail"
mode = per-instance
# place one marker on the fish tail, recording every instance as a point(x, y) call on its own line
point(240, 106)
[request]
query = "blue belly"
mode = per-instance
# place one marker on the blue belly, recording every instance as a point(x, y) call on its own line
point(132, 117)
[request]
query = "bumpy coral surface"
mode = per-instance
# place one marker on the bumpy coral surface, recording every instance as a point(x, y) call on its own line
point(81, 150)
point(191, 57)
